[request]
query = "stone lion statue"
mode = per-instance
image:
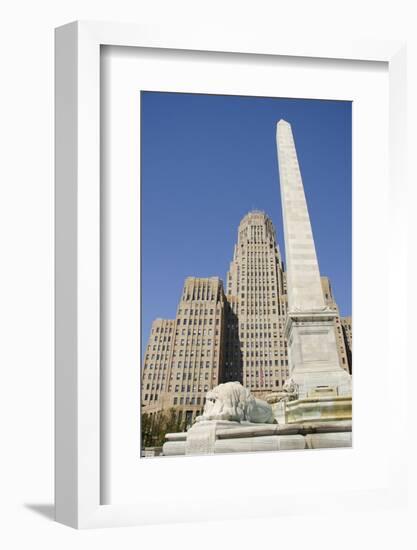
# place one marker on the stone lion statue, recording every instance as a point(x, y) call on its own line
point(231, 401)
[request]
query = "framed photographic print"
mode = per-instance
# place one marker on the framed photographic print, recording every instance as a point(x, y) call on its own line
point(222, 365)
point(221, 208)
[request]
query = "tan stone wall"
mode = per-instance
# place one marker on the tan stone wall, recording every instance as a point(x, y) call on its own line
point(346, 323)
point(341, 344)
point(157, 365)
point(196, 348)
point(256, 291)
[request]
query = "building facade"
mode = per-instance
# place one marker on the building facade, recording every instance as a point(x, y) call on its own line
point(341, 342)
point(157, 365)
point(256, 288)
point(346, 323)
point(184, 356)
point(232, 334)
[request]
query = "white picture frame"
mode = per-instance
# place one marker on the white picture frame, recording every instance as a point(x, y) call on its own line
point(78, 406)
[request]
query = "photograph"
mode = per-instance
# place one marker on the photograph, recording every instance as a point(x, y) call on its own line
point(246, 274)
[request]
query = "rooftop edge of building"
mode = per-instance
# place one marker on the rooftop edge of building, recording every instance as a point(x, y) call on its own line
point(211, 279)
point(160, 320)
point(253, 213)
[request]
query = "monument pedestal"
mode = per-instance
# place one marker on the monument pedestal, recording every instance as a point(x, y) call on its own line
point(314, 359)
point(219, 437)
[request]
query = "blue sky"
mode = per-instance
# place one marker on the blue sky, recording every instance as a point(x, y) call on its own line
point(207, 160)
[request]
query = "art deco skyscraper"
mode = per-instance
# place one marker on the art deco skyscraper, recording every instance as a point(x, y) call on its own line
point(256, 293)
point(184, 357)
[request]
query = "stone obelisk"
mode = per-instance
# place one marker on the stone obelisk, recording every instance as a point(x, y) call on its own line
point(310, 329)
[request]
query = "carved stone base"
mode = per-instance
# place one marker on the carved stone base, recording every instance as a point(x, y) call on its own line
point(318, 409)
point(313, 356)
point(201, 437)
point(218, 437)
